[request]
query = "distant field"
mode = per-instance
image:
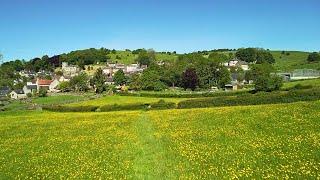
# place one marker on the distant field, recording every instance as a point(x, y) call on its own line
point(309, 82)
point(50, 100)
point(296, 60)
point(269, 141)
point(127, 57)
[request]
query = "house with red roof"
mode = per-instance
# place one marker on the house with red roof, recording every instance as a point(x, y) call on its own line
point(49, 85)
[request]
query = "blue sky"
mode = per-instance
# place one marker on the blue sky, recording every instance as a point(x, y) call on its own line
point(36, 27)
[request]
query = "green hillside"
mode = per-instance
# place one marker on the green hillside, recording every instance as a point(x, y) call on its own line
point(127, 57)
point(295, 60)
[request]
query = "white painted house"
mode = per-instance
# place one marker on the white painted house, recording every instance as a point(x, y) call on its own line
point(18, 94)
point(54, 85)
point(237, 63)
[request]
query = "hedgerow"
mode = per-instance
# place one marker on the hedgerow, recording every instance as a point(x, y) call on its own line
point(183, 95)
point(58, 108)
point(253, 99)
point(139, 106)
point(127, 107)
point(115, 107)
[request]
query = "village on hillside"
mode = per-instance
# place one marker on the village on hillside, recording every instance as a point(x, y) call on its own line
point(50, 81)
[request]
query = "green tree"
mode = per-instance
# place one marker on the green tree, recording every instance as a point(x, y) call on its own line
point(218, 57)
point(99, 80)
point(314, 57)
point(255, 55)
point(119, 78)
point(86, 56)
point(8, 75)
point(146, 57)
point(64, 86)
point(265, 56)
point(135, 82)
point(42, 93)
point(264, 78)
point(79, 82)
point(190, 79)
point(240, 74)
point(213, 74)
point(224, 77)
point(150, 80)
point(171, 75)
point(59, 73)
point(247, 54)
point(45, 58)
point(231, 55)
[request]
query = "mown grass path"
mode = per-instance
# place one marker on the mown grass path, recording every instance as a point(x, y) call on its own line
point(151, 160)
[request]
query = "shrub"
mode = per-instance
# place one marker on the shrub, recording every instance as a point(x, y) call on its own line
point(313, 57)
point(64, 86)
point(253, 99)
point(163, 105)
point(139, 106)
point(42, 93)
point(128, 107)
point(29, 95)
point(300, 86)
point(58, 108)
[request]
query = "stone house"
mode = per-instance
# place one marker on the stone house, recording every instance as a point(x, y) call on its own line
point(69, 70)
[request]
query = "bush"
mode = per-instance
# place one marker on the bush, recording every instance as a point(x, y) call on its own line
point(126, 107)
point(253, 99)
point(299, 86)
point(29, 95)
point(58, 108)
point(42, 93)
point(139, 106)
point(314, 57)
point(64, 86)
point(163, 105)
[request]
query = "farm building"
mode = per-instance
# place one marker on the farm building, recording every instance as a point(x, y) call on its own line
point(305, 74)
point(231, 87)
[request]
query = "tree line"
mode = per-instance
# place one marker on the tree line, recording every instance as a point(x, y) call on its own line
point(190, 71)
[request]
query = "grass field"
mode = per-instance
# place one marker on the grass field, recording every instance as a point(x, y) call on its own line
point(309, 82)
point(123, 100)
point(270, 141)
point(296, 60)
point(50, 100)
point(126, 57)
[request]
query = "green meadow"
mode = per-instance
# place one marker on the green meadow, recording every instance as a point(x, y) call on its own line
point(295, 60)
point(263, 141)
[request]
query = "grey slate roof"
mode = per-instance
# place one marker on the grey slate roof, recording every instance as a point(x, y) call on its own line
point(19, 91)
point(32, 87)
point(4, 91)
